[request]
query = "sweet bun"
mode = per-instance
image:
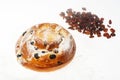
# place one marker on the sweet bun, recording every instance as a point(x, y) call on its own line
point(45, 47)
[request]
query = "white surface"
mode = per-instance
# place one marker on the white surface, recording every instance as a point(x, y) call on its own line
point(95, 59)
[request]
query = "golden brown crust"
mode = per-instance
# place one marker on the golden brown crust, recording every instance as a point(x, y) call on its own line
point(45, 47)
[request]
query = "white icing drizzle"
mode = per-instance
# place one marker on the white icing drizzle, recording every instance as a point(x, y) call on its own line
point(24, 39)
point(65, 44)
point(21, 60)
point(58, 28)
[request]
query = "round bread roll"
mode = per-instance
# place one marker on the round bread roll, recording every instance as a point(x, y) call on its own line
point(45, 47)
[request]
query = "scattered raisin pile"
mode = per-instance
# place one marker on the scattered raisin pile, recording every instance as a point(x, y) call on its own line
point(88, 23)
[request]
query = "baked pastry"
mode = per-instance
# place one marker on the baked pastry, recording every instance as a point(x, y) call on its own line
point(45, 47)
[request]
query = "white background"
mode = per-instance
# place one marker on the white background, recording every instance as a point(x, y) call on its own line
point(95, 59)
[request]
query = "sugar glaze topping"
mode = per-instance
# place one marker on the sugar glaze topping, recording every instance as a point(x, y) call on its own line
point(42, 40)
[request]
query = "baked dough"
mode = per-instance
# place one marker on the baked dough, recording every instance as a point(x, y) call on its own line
point(45, 47)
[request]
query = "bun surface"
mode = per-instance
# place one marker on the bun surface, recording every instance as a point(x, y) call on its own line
point(45, 47)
